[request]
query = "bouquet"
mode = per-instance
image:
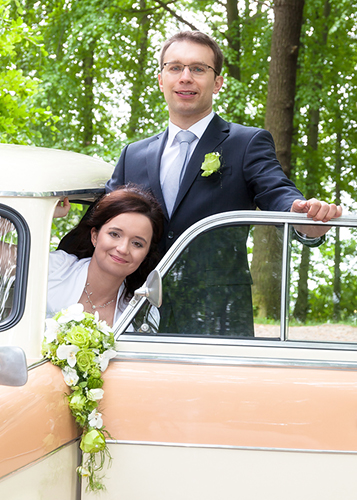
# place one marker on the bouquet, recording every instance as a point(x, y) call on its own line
point(82, 345)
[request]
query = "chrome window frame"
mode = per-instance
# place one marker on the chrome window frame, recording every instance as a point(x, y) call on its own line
point(284, 219)
point(22, 266)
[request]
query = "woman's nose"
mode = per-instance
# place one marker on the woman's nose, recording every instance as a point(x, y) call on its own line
point(123, 246)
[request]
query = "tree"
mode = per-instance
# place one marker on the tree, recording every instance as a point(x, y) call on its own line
point(19, 114)
point(279, 121)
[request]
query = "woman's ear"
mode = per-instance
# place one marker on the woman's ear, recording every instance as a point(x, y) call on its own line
point(93, 236)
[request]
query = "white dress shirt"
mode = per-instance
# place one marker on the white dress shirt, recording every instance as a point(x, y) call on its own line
point(172, 147)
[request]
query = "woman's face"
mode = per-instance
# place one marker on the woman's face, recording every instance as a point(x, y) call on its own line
point(122, 244)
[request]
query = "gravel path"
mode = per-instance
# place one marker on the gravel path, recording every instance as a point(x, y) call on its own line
point(325, 332)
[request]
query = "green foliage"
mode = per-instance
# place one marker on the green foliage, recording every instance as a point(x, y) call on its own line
point(321, 298)
point(93, 64)
point(19, 112)
point(62, 225)
point(327, 84)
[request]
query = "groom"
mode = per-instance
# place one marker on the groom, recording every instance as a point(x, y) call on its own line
point(249, 174)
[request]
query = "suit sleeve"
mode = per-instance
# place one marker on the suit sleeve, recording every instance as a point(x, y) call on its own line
point(265, 177)
point(117, 179)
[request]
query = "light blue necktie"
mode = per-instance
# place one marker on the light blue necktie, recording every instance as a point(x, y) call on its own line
point(177, 170)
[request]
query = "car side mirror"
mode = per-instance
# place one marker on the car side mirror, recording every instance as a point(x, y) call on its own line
point(152, 289)
point(13, 366)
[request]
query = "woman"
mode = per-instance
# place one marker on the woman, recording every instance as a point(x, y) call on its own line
point(110, 254)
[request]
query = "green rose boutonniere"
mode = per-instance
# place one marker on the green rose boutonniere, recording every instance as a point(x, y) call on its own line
point(211, 164)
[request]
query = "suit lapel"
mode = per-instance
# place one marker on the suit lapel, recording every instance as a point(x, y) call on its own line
point(153, 160)
point(216, 132)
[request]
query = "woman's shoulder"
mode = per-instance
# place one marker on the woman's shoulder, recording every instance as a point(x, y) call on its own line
point(61, 260)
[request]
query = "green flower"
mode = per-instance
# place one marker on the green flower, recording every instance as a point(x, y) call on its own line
point(85, 358)
point(92, 441)
point(78, 335)
point(77, 401)
point(94, 382)
point(211, 164)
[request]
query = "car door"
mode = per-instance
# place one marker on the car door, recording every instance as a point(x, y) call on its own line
point(225, 391)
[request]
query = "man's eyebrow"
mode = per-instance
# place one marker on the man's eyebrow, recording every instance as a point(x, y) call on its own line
point(179, 62)
point(121, 230)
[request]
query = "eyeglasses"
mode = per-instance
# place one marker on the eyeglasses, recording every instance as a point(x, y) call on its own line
point(199, 69)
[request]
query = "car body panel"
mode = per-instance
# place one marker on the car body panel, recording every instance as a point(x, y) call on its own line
point(49, 172)
point(235, 406)
point(35, 419)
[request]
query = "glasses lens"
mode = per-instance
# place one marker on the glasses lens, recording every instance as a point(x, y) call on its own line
point(198, 69)
point(174, 68)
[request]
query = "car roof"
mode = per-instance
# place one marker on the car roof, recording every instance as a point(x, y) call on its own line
point(32, 171)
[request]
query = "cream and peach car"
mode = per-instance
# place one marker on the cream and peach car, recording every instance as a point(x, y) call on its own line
point(197, 409)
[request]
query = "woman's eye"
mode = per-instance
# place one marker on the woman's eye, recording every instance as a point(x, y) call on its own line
point(138, 244)
point(114, 234)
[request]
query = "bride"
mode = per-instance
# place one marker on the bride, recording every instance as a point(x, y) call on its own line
point(108, 255)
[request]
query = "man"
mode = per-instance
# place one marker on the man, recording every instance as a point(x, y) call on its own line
point(248, 174)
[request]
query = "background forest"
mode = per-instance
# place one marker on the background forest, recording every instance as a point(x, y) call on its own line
point(82, 76)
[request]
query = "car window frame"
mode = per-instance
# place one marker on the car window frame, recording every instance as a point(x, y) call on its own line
point(22, 266)
point(284, 219)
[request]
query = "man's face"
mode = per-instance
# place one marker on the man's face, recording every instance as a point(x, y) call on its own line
point(189, 98)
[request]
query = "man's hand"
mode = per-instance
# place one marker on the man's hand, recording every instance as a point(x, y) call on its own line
point(318, 211)
point(62, 208)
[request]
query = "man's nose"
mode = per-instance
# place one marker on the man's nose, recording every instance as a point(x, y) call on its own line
point(186, 74)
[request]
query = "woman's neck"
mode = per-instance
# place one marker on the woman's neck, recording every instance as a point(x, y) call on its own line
point(100, 294)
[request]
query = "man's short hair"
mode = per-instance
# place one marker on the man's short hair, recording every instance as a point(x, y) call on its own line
point(195, 37)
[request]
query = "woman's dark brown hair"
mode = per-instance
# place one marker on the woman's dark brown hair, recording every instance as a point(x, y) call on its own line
point(125, 199)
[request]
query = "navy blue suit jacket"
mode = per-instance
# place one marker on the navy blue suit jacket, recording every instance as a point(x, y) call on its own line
point(250, 175)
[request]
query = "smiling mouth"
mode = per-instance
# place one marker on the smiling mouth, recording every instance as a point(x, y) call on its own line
point(120, 260)
point(183, 92)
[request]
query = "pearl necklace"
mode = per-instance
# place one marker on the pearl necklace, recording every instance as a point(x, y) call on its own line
point(93, 306)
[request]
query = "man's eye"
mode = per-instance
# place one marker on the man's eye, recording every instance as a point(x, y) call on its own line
point(197, 70)
point(175, 69)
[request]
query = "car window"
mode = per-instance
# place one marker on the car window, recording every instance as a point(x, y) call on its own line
point(323, 289)
point(14, 255)
point(8, 249)
point(217, 285)
point(260, 281)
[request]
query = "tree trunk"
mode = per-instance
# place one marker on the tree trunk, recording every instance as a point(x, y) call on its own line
point(279, 121)
point(266, 272)
point(233, 37)
point(301, 305)
point(282, 77)
point(87, 114)
point(137, 103)
point(337, 263)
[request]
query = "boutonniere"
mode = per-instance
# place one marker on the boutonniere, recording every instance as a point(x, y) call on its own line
point(211, 164)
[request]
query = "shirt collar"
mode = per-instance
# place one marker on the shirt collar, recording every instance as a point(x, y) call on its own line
point(197, 128)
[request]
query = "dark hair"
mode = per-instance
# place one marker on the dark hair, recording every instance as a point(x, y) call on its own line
point(128, 198)
point(195, 37)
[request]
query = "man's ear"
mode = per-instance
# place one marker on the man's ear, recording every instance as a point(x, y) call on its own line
point(218, 84)
point(159, 77)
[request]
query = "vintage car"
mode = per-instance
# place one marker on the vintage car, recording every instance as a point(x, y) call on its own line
point(198, 404)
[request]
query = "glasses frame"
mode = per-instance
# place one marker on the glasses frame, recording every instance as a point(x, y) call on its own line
point(188, 66)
